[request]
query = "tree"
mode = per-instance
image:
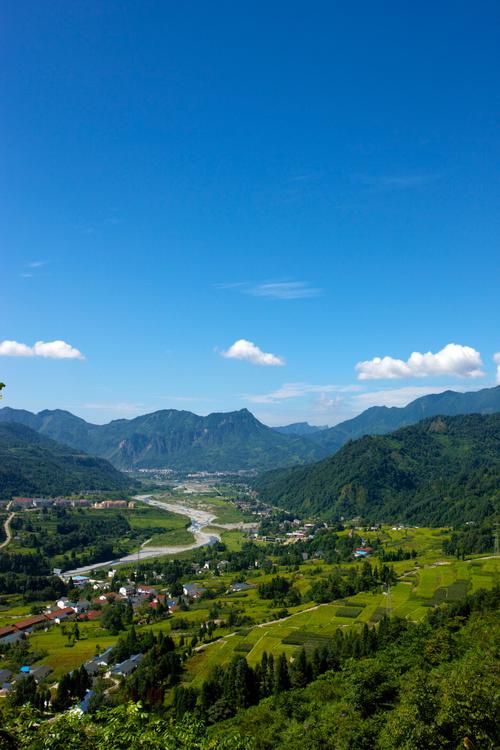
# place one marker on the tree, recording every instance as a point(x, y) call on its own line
point(282, 678)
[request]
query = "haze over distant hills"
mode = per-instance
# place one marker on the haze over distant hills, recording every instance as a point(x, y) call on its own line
point(300, 428)
point(440, 471)
point(378, 420)
point(175, 439)
point(31, 463)
point(236, 440)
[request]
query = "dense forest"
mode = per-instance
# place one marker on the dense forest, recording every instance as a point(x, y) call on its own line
point(31, 464)
point(444, 470)
point(175, 439)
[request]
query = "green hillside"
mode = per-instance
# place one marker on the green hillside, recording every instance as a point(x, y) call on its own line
point(176, 439)
point(31, 464)
point(442, 470)
point(378, 420)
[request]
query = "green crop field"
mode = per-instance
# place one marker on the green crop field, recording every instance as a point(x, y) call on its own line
point(63, 657)
point(432, 583)
point(424, 581)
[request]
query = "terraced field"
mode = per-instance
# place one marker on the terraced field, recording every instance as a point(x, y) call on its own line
point(410, 598)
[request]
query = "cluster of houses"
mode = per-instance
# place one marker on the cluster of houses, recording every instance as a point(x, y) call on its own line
point(62, 610)
point(8, 678)
point(29, 503)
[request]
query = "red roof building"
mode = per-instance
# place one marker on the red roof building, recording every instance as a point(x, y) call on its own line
point(30, 622)
point(60, 614)
point(92, 614)
point(7, 630)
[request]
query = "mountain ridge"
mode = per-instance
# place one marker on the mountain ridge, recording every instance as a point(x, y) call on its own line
point(378, 420)
point(442, 470)
point(31, 463)
point(175, 439)
point(182, 440)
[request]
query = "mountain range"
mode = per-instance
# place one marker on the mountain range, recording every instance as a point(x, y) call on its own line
point(32, 464)
point(175, 439)
point(378, 420)
point(235, 440)
point(300, 428)
point(443, 470)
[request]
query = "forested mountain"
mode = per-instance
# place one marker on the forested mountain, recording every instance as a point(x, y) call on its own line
point(234, 440)
point(440, 471)
point(379, 420)
point(31, 464)
point(176, 439)
point(300, 428)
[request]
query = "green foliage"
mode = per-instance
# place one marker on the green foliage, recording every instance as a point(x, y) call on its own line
point(401, 686)
point(176, 439)
point(31, 464)
point(127, 727)
point(379, 420)
point(444, 470)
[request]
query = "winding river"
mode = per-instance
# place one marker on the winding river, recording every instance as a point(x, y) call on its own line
point(199, 520)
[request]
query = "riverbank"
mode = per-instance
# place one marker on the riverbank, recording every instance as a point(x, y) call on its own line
point(199, 520)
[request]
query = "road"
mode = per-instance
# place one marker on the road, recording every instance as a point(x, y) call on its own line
point(8, 532)
point(199, 519)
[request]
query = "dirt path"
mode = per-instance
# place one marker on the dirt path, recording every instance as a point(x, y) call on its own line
point(262, 625)
point(8, 532)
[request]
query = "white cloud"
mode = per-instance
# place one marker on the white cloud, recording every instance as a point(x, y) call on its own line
point(281, 290)
point(47, 349)
point(496, 358)
point(325, 402)
point(453, 359)
point(285, 290)
point(37, 263)
point(299, 390)
point(248, 351)
point(14, 349)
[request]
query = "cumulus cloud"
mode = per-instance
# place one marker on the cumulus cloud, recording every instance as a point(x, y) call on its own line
point(496, 358)
point(47, 349)
point(453, 359)
point(249, 352)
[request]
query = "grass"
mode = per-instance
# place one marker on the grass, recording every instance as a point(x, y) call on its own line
point(432, 579)
point(233, 539)
point(62, 657)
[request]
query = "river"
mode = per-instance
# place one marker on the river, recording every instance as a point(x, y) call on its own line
point(199, 520)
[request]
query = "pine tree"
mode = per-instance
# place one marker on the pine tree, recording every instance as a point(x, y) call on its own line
point(282, 678)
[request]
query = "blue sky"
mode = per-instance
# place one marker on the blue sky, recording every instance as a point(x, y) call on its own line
point(183, 180)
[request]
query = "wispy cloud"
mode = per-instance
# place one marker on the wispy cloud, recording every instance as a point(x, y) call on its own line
point(278, 290)
point(395, 182)
point(249, 352)
point(496, 359)
point(122, 407)
point(299, 390)
point(47, 349)
point(453, 359)
point(33, 266)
